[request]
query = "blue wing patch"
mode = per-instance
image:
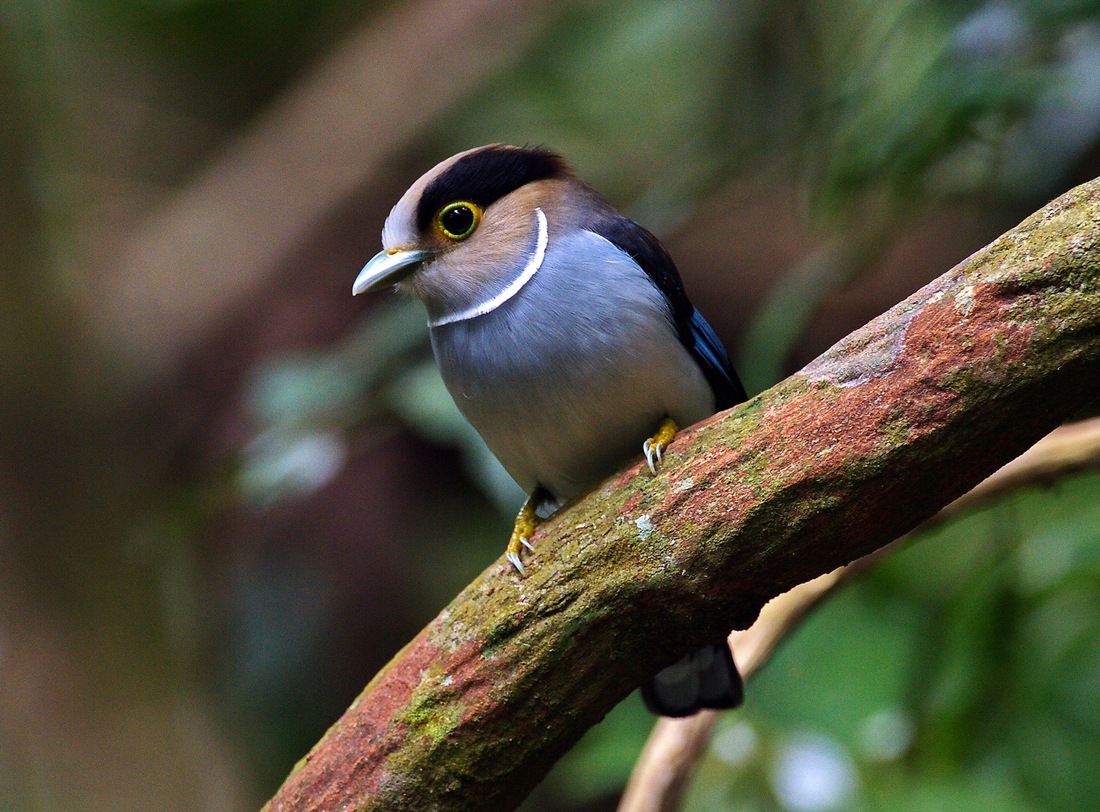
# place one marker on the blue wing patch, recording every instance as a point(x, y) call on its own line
point(716, 366)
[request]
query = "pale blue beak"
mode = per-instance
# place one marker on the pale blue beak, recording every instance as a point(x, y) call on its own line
point(388, 268)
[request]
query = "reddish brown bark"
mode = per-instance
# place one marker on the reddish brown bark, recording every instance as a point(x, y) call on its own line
point(866, 442)
point(665, 767)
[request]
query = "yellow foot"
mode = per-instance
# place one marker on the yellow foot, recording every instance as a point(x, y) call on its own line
point(655, 445)
point(526, 522)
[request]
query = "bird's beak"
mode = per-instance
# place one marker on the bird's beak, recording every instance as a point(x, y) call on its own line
point(388, 268)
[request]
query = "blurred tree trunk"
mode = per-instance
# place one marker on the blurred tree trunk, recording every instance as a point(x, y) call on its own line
point(218, 240)
point(77, 607)
point(101, 627)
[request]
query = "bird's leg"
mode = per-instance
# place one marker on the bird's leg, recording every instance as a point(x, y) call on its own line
point(655, 445)
point(526, 522)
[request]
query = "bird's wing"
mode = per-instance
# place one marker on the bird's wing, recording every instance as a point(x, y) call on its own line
point(694, 332)
point(716, 366)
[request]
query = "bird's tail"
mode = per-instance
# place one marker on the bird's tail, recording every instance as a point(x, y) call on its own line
point(706, 678)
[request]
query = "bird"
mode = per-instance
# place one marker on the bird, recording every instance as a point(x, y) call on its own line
point(563, 332)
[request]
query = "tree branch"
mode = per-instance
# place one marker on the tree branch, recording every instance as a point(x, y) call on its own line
point(861, 446)
point(664, 768)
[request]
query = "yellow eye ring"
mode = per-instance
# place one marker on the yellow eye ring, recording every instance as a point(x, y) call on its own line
point(458, 220)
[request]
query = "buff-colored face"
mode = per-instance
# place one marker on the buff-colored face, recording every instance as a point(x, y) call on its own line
point(470, 224)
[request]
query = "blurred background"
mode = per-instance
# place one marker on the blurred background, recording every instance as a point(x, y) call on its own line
point(229, 492)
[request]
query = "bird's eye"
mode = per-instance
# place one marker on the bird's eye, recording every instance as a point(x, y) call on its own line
point(458, 220)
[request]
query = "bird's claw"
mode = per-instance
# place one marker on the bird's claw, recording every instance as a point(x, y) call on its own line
point(652, 453)
point(525, 525)
point(654, 447)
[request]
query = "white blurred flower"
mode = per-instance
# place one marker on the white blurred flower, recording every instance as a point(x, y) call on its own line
point(278, 465)
point(813, 773)
point(735, 743)
point(886, 735)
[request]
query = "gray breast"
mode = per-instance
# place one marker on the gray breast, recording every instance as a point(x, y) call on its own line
point(566, 380)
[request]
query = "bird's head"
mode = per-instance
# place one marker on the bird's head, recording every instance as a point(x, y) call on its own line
point(468, 228)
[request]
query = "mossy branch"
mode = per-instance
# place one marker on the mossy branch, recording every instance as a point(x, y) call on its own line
point(668, 760)
point(866, 442)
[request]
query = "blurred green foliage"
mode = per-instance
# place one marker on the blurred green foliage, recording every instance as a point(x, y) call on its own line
point(963, 673)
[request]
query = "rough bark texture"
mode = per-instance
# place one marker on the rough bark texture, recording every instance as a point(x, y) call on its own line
point(863, 444)
point(665, 767)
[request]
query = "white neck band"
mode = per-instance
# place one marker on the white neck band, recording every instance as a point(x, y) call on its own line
point(533, 264)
